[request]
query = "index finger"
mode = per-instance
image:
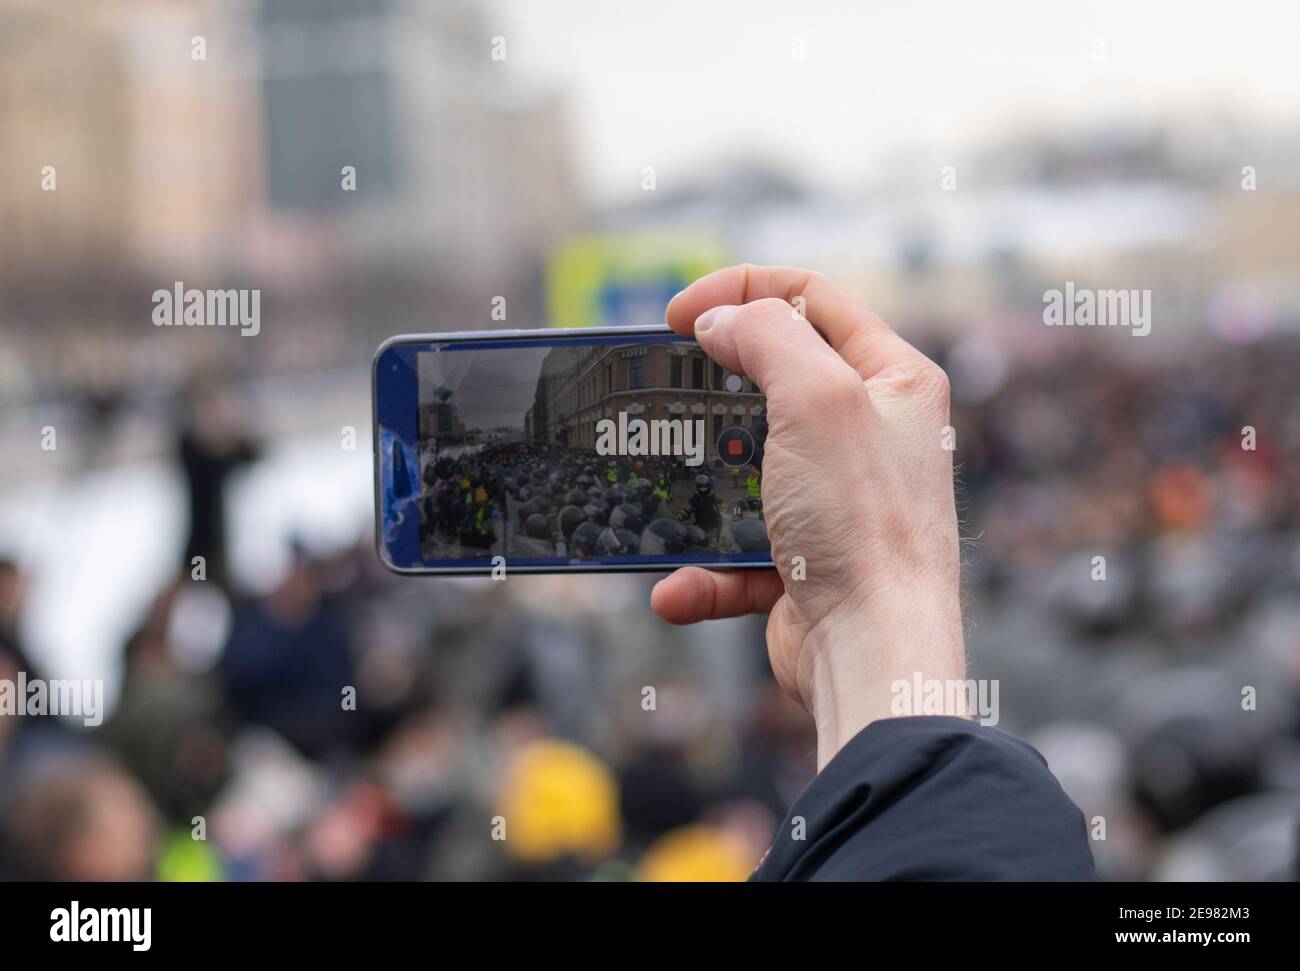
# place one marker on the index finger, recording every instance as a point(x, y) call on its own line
point(859, 336)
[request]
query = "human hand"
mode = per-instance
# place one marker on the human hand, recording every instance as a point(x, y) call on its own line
point(857, 484)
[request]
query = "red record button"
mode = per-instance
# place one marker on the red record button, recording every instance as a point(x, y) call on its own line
point(736, 446)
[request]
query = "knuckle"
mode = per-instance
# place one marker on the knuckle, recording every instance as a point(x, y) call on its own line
point(768, 307)
point(921, 381)
point(837, 392)
point(936, 381)
point(931, 381)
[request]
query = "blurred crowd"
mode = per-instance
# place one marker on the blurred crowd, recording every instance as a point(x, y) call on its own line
point(1132, 546)
point(1132, 537)
point(350, 725)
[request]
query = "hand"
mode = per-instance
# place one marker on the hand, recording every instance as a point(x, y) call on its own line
point(857, 484)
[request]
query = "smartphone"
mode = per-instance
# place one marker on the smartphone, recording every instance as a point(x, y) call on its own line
point(608, 449)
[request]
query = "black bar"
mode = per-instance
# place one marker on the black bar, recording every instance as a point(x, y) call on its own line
point(193, 922)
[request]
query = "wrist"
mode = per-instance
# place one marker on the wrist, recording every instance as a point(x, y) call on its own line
point(857, 657)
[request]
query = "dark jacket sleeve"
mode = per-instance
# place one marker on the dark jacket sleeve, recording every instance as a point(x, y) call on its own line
point(932, 798)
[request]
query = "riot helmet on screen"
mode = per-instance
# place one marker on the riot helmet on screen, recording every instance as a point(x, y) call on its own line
point(617, 542)
point(664, 536)
point(626, 516)
point(571, 517)
point(751, 536)
point(583, 541)
point(695, 536)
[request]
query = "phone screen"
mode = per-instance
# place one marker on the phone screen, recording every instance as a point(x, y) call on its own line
point(552, 451)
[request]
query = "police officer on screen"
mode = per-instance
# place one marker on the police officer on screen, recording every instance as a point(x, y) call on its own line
point(705, 507)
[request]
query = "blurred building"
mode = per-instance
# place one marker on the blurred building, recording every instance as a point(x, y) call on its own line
point(1256, 243)
point(440, 421)
point(129, 133)
point(458, 174)
point(146, 133)
point(367, 164)
point(1161, 210)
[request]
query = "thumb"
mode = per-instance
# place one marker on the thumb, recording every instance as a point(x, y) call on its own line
point(771, 343)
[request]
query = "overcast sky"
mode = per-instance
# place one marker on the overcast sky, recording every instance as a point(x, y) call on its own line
point(679, 83)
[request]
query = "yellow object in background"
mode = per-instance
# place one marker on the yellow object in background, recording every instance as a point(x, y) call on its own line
point(559, 799)
point(625, 278)
point(186, 860)
point(696, 854)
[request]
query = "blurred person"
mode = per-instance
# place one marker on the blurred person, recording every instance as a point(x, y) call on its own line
point(260, 817)
point(850, 402)
point(102, 407)
point(288, 660)
point(13, 596)
point(1091, 762)
point(414, 770)
point(82, 819)
point(1190, 752)
point(661, 788)
point(1181, 496)
point(25, 743)
point(776, 739)
point(1253, 838)
point(344, 841)
point(558, 807)
point(169, 725)
point(698, 854)
point(211, 446)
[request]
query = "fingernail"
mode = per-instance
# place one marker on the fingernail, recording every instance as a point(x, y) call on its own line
point(711, 316)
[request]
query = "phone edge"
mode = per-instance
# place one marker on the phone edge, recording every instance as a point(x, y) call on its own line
point(466, 336)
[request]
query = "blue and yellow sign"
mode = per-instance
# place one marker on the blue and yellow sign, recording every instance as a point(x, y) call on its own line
point(617, 280)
